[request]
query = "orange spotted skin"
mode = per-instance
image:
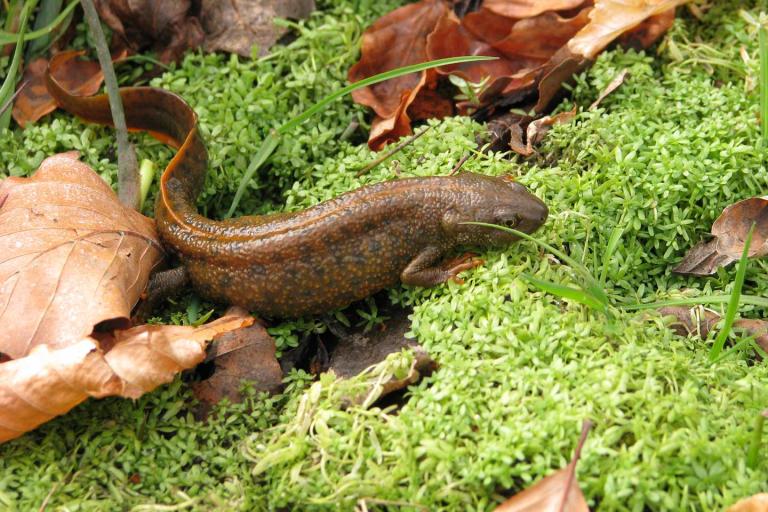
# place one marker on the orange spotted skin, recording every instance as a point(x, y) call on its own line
point(324, 257)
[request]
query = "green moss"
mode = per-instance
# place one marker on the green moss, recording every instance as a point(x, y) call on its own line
point(520, 370)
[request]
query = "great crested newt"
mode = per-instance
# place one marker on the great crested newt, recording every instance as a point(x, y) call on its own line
point(324, 257)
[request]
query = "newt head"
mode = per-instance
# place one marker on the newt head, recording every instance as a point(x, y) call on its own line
point(491, 200)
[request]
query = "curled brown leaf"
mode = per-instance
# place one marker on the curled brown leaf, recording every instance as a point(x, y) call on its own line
point(50, 381)
point(394, 40)
point(168, 28)
point(729, 233)
point(80, 77)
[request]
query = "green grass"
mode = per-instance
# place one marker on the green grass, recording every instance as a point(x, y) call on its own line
point(520, 368)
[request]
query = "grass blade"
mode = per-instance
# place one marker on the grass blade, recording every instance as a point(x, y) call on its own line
point(590, 283)
point(270, 143)
point(48, 11)
point(752, 300)
point(375, 79)
point(733, 303)
point(763, 43)
point(6, 91)
point(266, 149)
point(566, 292)
point(613, 244)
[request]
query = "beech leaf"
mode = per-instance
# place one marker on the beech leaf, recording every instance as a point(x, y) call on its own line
point(396, 39)
point(72, 256)
point(538, 45)
point(609, 19)
point(699, 321)
point(729, 232)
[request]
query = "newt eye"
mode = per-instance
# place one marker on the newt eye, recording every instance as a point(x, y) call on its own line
point(512, 221)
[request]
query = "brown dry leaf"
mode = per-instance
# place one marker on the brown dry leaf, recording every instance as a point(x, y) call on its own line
point(525, 47)
point(559, 492)
point(394, 40)
point(72, 256)
point(638, 23)
point(729, 232)
point(236, 25)
point(699, 321)
point(244, 354)
point(80, 77)
point(536, 131)
point(168, 28)
point(528, 8)
point(538, 45)
point(50, 381)
point(756, 503)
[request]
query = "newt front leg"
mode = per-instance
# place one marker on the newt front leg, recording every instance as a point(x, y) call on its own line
point(425, 269)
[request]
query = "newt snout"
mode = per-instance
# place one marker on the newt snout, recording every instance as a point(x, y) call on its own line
point(492, 200)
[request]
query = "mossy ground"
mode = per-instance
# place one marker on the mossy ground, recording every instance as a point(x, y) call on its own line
point(520, 369)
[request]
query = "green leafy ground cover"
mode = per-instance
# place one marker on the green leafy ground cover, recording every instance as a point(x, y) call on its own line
point(520, 370)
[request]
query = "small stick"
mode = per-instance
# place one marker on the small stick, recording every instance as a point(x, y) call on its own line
point(391, 152)
point(458, 166)
point(128, 187)
point(349, 130)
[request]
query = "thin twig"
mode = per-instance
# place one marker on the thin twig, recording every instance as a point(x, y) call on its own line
point(460, 163)
point(349, 130)
point(13, 98)
point(128, 188)
point(394, 150)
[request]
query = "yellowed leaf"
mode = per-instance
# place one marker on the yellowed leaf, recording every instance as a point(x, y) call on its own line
point(71, 256)
point(756, 503)
point(50, 381)
point(611, 18)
